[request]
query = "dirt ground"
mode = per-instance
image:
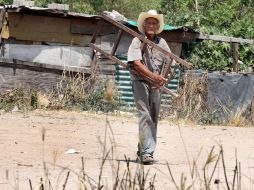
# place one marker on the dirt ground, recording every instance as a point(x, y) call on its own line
point(23, 151)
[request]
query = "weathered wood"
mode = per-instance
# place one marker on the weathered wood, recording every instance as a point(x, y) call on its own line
point(179, 36)
point(50, 29)
point(142, 38)
point(235, 47)
point(97, 31)
point(224, 39)
point(44, 81)
point(113, 58)
point(118, 38)
point(252, 108)
point(86, 27)
point(42, 76)
point(29, 66)
point(94, 63)
point(176, 48)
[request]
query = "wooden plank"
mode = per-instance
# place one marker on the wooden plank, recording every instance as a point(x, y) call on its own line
point(176, 48)
point(50, 29)
point(94, 63)
point(86, 27)
point(224, 39)
point(179, 36)
point(113, 58)
point(39, 76)
point(104, 66)
point(116, 43)
point(252, 108)
point(235, 47)
point(97, 31)
point(141, 37)
point(44, 81)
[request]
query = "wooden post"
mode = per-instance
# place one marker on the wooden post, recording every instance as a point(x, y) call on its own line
point(94, 63)
point(235, 47)
point(118, 38)
point(252, 108)
point(97, 31)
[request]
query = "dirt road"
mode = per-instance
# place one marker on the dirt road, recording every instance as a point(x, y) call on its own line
point(23, 151)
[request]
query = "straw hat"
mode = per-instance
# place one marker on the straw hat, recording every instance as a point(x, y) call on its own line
point(152, 13)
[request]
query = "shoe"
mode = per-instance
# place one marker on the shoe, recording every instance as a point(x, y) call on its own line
point(146, 159)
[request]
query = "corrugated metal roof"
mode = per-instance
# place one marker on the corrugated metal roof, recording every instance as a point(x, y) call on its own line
point(47, 11)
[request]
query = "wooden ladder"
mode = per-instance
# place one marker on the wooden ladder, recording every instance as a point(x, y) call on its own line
point(122, 28)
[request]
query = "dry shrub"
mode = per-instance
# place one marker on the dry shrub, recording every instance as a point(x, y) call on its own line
point(192, 104)
point(239, 120)
point(74, 91)
point(72, 88)
point(21, 98)
point(192, 101)
point(85, 93)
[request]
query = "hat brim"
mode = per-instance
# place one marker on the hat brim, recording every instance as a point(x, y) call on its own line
point(143, 16)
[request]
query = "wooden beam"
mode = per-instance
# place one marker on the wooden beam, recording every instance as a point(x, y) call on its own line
point(235, 47)
point(118, 38)
point(252, 108)
point(86, 27)
point(94, 63)
point(42, 67)
point(97, 31)
point(113, 58)
point(224, 39)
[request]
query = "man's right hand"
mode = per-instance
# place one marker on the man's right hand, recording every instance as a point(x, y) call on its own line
point(159, 81)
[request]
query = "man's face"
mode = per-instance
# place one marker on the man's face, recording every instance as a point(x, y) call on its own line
point(151, 26)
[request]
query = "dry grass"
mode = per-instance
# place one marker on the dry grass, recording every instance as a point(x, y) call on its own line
point(74, 92)
point(238, 120)
point(192, 101)
point(192, 105)
point(19, 98)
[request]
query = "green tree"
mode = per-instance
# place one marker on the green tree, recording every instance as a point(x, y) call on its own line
point(225, 17)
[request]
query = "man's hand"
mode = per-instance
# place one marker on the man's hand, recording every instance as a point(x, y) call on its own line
point(159, 81)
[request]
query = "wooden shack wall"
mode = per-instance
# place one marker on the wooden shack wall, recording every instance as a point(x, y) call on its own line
point(43, 80)
point(44, 29)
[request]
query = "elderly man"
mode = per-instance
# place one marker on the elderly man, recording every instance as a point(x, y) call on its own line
point(148, 62)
